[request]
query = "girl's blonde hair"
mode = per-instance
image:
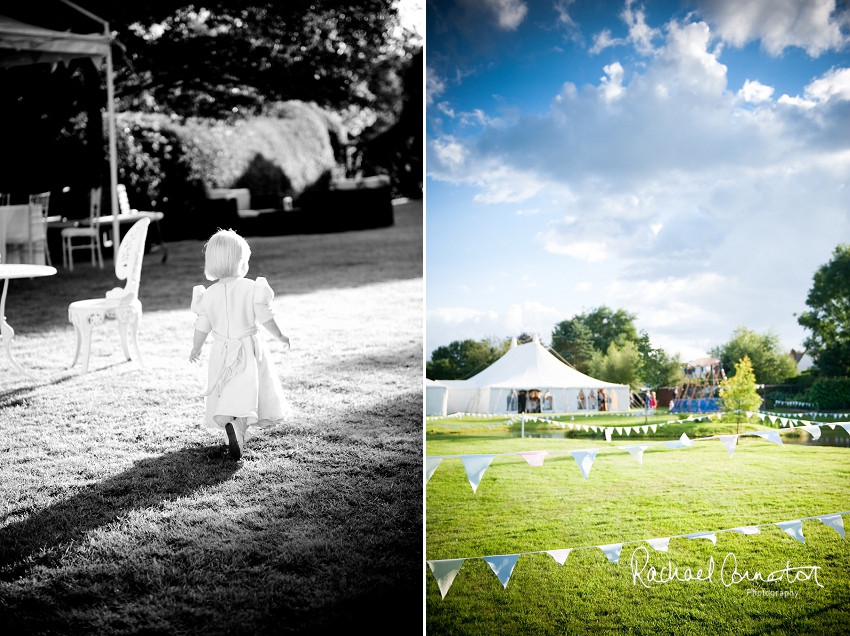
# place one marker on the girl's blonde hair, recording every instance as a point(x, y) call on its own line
point(226, 254)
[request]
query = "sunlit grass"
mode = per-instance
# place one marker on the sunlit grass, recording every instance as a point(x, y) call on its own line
point(121, 514)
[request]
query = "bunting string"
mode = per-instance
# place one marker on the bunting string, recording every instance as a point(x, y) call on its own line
point(502, 565)
point(476, 464)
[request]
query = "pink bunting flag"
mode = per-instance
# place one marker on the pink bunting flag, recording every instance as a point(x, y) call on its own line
point(534, 458)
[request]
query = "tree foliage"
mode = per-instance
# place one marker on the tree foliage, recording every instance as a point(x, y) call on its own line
point(619, 364)
point(656, 367)
point(738, 393)
point(828, 318)
point(770, 363)
point(573, 341)
point(460, 360)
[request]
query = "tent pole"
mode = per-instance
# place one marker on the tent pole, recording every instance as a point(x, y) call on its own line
point(113, 159)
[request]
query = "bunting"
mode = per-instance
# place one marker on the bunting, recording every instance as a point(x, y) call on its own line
point(503, 565)
point(476, 465)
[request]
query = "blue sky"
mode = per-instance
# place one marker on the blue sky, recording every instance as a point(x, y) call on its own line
point(686, 161)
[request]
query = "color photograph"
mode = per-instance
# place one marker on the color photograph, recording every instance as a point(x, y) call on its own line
point(637, 405)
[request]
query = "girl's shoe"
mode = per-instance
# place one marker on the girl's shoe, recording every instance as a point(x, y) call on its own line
point(233, 444)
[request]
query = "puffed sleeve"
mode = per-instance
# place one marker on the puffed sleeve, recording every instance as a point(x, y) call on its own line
point(203, 322)
point(263, 296)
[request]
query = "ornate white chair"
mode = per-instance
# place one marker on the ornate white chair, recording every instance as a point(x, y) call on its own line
point(90, 232)
point(122, 304)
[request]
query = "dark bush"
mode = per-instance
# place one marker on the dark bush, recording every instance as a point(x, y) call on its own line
point(830, 393)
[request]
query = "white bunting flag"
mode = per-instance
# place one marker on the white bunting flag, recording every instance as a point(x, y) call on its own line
point(636, 452)
point(645, 429)
point(584, 459)
point(594, 429)
point(814, 431)
point(747, 530)
point(612, 551)
point(619, 430)
point(760, 416)
point(628, 430)
point(684, 440)
point(749, 414)
point(475, 466)
point(445, 573)
point(729, 441)
point(534, 458)
point(584, 426)
point(831, 425)
point(431, 464)
point(846, 427)
point(560, 556)
point(703, 535)
point(769, 436)
point(674, 444)
point(502, 566)
point(835, 522)
point(654, 427)
point(608, 432)
point(659, 544)
point(793, 529)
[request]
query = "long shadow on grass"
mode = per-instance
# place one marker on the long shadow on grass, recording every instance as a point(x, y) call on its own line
point(37, 540)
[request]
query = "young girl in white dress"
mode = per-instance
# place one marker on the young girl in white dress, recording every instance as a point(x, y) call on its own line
point(243, 389)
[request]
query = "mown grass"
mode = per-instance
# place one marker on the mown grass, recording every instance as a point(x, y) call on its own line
point(519, 508)
point(121, 514)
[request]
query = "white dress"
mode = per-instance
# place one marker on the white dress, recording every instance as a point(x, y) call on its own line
point(242, 381)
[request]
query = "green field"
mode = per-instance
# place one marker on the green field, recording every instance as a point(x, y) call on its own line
point(520, 509)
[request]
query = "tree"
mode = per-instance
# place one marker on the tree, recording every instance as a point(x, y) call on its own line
point(657, 368)
point(828, 318)
point(608, 326)
point(573, 341)
point(618, 364)
point(738, 393)
point(460, 360)
point(770, 363)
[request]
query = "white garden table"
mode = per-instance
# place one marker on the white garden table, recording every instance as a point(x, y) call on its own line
point(8, 272)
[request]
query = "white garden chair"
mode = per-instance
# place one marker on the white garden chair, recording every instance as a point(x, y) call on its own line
point(122, 304)
point(90, 232)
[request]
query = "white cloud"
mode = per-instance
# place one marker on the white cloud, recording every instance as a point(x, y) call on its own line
point(562, 8)
point(509, 14)
point(640, 33)
point(813, 25)
point(603, 40)
point(434, 86)
point(833, 86)
point(612, 84)
point(529, 212)
point(590, 251)
point(449, 151)
point(754, 92)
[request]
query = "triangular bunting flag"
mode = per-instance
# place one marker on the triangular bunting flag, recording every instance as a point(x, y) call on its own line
point(534, 458)
point(608, 432)
point(502, 566)
point(769, 436)
point(814, 431)
point(636, 452)
point(431, 464)
point(729, 441)
point(584, 459)
point(674, 444)
point(619, 430)
point(560, 556)
point(594, 429)
point(793, 529)
point(584, 426)
point(685, 441)
point(645, 429)
point(475, 466)
point(654, 427)
point(747, 530)
point(831, 425)
point(835, 522)
point(612, 551)
point(771, 419)
point(445, 573)
point(703, 535)
point(760, 416)
point(749, 414)
point(846, 427)
point(659, 544)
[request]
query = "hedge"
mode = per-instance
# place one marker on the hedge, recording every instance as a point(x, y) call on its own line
point(830, 393)
point(168, 164)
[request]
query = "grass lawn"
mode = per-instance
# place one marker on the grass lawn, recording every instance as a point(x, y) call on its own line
point(519, 508)
point(121, 514)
